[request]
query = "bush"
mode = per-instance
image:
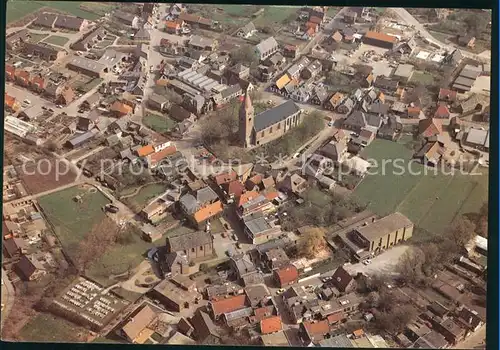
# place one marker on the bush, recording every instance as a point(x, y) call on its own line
point(191, 263)
point(204, 267)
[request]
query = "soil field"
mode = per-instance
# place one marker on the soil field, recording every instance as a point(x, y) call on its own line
point(45, 175)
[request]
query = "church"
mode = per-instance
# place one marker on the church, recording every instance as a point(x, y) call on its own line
point(257, 130)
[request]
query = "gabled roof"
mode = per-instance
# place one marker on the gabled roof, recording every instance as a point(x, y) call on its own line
point(137, 323)
point(189, 240)
point(225, 177)
point(429, 127)
point(247, 196)
point(442, 112)
point(341, 279)
point(208, 212)
point(287, 274)
point(266, 45)
point(203, 325)
point(275, 115)
point(145, 151)
point(230, 304)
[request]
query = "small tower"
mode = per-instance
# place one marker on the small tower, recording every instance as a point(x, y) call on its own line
point(246, 121)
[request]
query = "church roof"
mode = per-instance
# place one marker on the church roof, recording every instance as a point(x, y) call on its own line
point(275, 115)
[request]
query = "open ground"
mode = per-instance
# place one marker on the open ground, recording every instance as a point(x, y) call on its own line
point(49, 328)
point(432, 201)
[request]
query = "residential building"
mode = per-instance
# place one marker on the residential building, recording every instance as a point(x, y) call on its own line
point(380, 39)
point(205, 331)
point(478, 138)
point(172, 296)
point(202, 44)
point(44, 51)
point(220, 307)
point(258, 229)
point(275, 258)
point(403, 72)
point(71, 23)
point(359, 120)
point(429, 127)
point(247, 31)
point(29, 268)
point(286, 276)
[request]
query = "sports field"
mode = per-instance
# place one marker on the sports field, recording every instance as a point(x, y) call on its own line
point(432, 201)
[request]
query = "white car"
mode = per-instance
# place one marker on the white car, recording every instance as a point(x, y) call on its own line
point(280, 291)
point(26, 101)
point(367, 262)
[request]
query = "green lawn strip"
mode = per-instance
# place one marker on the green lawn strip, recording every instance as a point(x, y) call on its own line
point(158, 123)
point(49, 328)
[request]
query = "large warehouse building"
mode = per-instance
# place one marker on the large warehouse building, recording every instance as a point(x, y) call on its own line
point(380, 39)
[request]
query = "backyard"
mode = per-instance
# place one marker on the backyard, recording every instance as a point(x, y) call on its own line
point(73, 220)
point(49, 328)
point(145, 195)
point(56, 40)
point(431, 201)
point(158, 123)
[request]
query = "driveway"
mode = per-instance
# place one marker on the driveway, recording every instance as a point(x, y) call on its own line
point(384, 263)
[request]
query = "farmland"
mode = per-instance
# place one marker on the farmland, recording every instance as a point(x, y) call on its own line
point(431, 200)
point(45, 175)
point(72, 220)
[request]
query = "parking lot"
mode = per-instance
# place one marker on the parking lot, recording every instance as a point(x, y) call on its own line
point(22, 95)
point(384, 263)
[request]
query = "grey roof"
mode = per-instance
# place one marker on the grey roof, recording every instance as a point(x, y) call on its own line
point(160, 99)
point(205, 195)
point(276, 243)
point(321, 93)
point(231, 316)
point(189, 202)
point(382, 227)
point(124, 16)
point(275, 115)
point(333, 150)
point(43, 48)
point(339, 341)
point(45, 20)
point(404, 70)
point(142, 33)
point(189, 240)
point(249, 27)
point(77, 140)
point(201, 41)
point(68, 22)
point(87, 64)
point(111, 57)
point(266, 44)
point(243, 264)
point(203, 326)
point(172, 258)
point(360, 119)
point(477, 136)
point(89, 38)
point(385, 83)
point(231, 90)
point(379, 108)
point(257, 226)
point(259, 199)
point(299, 66)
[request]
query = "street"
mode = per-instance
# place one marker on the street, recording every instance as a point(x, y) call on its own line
point(475, 341)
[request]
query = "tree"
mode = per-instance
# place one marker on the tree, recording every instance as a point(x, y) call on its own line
point(410, 265)
point(312, 243)
point(244, 55)
point(462, 231)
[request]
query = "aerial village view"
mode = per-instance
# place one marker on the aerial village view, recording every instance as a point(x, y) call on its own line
point(245, 175)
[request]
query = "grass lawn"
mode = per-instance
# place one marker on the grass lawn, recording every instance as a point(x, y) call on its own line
point(72, 220)
point(216, 226)
point(35, 38)
point(275, 15)
point(432, 201)
point(317, 197)
point(332, 11)
point(147, 193)
point(18, 9)
point(56, 40)
point(48, 328)
point(118, 259)
point(422, 78)
point(158, 123)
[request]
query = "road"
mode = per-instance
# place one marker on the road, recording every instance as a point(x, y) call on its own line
point(409, 19)
point(8, 295)
point(475, 341)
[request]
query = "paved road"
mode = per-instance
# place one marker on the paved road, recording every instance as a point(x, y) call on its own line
point(409, 19)
point(8, 295)
point(475, 341)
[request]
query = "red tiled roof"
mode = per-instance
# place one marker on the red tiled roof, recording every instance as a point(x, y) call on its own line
point(261, 313)
point(172, 24)
point(270, 325)
point(228, 305)
point(315, 19)
point(287, 274)
point(245, 197)
point(429, 127)
point(317, 328)
point(38, 81)
point(235, 188)
point(10, 69)
point(413, 111)
point(157, 156)
point(271, 195)
point(145, 151)
point(208, 212)
point(22, 74)
point(447, 94)
point(121, 107)
point(225, 178)
point(442, 112)
point(381, 37)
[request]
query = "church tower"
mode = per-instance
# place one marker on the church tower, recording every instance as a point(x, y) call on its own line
point(246, 121)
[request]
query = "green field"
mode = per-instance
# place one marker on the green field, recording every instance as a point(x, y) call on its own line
point(147, 193)
point(35, 38)
point(118, 259)
point(431, 201)
point(422, 78)
point(49, 328)
point(56, 40)
point(276, 15)
point(18, 9)
point(73, 220)
point(158, 123)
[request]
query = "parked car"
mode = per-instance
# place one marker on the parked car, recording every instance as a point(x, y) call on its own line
point(112, 208)
point(280, 291)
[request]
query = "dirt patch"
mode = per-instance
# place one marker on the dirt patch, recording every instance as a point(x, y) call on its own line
point(45, 175)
